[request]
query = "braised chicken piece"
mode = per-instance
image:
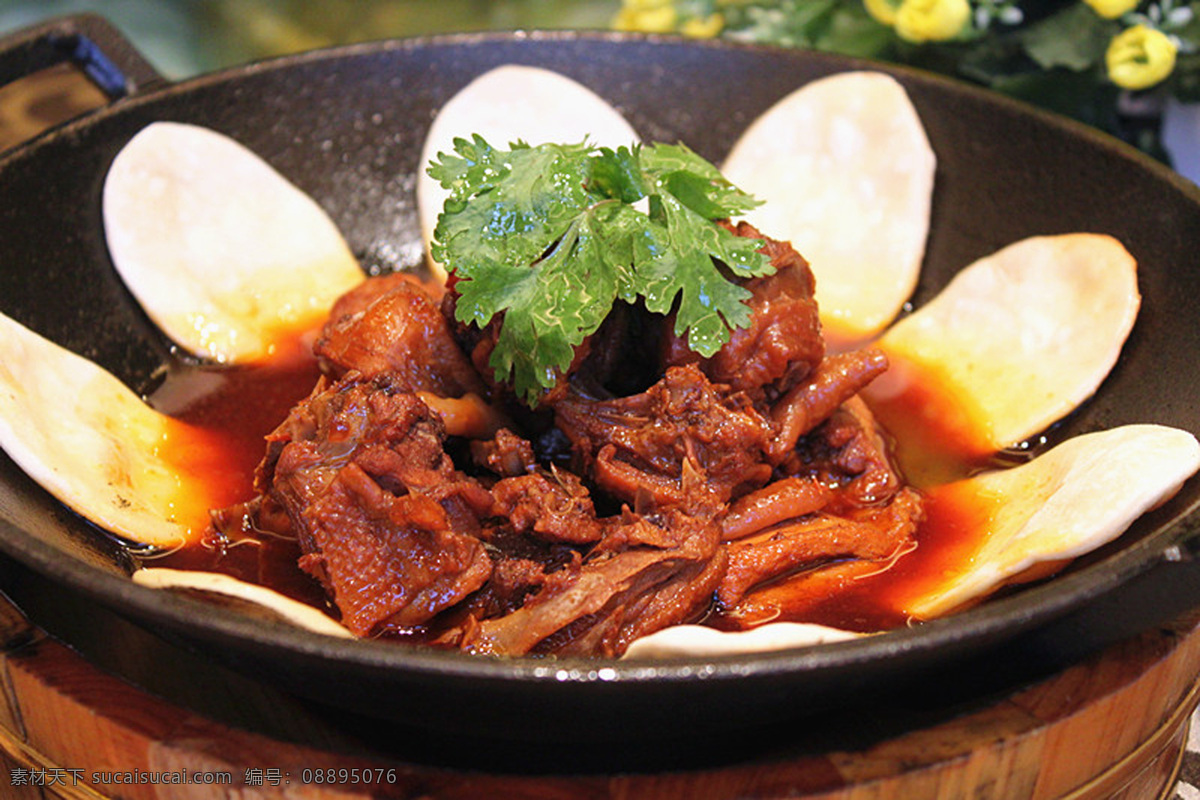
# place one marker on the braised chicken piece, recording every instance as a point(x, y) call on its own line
point(778, 551)
point(394, 327)
point(550, 504)
point(399, 536)
point(647, 573)
point(649, 487)
point(684, 442)
point(848, 452)
point(836, 380)
point(782, 500)
point(382, 516)
point(505, 454)
point(782, 344)
point(356, 301)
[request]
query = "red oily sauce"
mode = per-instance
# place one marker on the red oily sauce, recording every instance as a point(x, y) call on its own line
point(238, 406)
point(235, 408)
point(937, 441)
point(867, 596)
point(228, 412)
point(936, 437)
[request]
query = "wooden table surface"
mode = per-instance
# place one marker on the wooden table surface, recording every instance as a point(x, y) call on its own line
point(1113, 726)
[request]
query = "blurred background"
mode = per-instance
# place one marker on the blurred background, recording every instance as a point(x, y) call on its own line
point(183, 38)
point(1128, 67)
point(186, 37)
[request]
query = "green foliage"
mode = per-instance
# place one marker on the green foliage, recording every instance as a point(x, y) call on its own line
point(550, 238)
point(830, 25)
point(1051, 54)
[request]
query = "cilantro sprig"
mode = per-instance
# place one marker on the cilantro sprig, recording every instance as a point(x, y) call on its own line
point(550, 237)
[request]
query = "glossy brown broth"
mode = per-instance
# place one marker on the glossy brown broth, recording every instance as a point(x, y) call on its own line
point(229, 411)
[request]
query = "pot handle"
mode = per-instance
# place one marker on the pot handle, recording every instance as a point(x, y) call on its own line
point(89, 42)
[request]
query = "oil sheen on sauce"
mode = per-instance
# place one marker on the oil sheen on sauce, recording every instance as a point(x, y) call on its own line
point(935, 443)
point(235, 408)
point(228, 411)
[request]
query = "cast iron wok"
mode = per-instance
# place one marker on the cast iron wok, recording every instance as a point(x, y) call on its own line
point(347, 125)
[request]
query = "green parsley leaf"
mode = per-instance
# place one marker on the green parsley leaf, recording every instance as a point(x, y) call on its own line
point(550, 238)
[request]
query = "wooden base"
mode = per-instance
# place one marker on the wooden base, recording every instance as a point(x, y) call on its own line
point(1114, 726)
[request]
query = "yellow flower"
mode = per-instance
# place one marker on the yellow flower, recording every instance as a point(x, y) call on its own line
point(1139, 57)
point(705, 28)
point(882, 10)
point(1111, 9)
point(931, 20)
point(648, 16)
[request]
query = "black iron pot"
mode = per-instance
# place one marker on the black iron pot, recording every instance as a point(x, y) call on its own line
point(347, 125)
